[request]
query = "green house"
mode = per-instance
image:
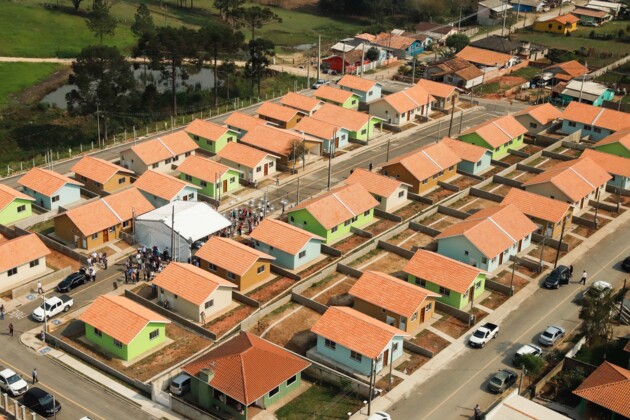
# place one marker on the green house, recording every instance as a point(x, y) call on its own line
point(498, 135)
point(14, 205)
point(243, 373)
point(123, 328)
point(339, 97)
point(616, 144)
point(214, 178)
point(332, 215)
point(360, 125)
point(209, 136)
point(456, 282)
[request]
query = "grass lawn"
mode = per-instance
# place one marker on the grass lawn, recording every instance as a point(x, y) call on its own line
point(326, 401)
point(526, 73)
point(18, 76)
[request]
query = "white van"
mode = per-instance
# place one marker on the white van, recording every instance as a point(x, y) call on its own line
point(180, 384)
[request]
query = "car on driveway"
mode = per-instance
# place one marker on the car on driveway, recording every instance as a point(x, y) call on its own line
point(41, 402)
point(599, 289)
point(552, 334)
point(527, 349)
point(559, 276)
point(12, 383)
point(502, 380)
point(72, 281)
point(625, 264)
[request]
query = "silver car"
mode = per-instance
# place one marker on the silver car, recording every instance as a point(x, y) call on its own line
point(552, 334)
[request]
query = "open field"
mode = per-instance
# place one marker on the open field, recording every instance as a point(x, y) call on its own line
point(18, 76)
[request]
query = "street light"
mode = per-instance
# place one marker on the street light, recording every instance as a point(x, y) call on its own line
point(283, 203)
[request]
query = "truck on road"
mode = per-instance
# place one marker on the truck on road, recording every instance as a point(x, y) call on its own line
point(483, 334)
point(52, 306)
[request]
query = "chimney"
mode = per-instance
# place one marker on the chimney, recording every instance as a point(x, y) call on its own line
point(207, 375)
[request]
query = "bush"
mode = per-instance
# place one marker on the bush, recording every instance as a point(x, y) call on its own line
point(591, 34)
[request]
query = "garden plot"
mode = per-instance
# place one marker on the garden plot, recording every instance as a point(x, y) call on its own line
point(443, 222)
point(430, 341)
point(492, 171)
point(380, 226)
point(500, 189)
point(271, 289)
point(413, 363)
point(321, 285)
point(402, 237)
point(411, 209)
point(348, 244)
point(548, 163)
point(531, 149)
point(521, 176)
point(464, 182)
point(229, 320)
point(505, 278)
point(512, 159)
point(265, 322)
point(417, 239)
point(613, 199)
point(337, 293)
point(439, 194)
point(294, 332)
point(389, 263)
point(477, 204)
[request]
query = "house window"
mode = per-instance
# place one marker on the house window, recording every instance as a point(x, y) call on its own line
point(477, 285)
point(112, 229)
point(334, 229)
point(98, 332)
point(191, 196)
point(428, 307)
point(588, 127)
point(572, 124)
point(400, 194)
point(122, 180)
point(597, 129)
point(258, 169)
point(347, 222)
point(292, 219)
point(155, 165)
point(12, 272)
point(394, 347)
point(55, 199)
point(444, 291)
point(33, 263)
point(117, 344)
point(291, 380)
point(494, 259)
point(271, 164)
point(175, 158)
point(302, 254)
point(421, 282)
point(232, 180)
point(209, 304)
point(484, 260)
point(330, 344)
point(274, 391)
point(366, 213)
point(370, 93)
point(125, 224)
point(355, 356)
point(154, 334)
point(167, 161)
point(82, 178)
point(451, 168)
point(533, 125)
point(204, 184)
point(230, 275)
point(21, 208)
point(188, 178)
point(479, 163)
point(209, 142)
point(95, 235)
point(424, 181)
point(196, 138)
point(260, 269)
point(187, 154)
point(465, 252)
point(212, 267)
point(363, 131)
point(414, 316)
point(175, 296)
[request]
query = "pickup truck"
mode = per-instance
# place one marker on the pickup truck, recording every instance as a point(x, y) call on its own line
point(53, 306)
point(483, 334)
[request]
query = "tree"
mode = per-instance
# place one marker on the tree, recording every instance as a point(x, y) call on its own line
point(143, 22)
point(100, 21)
point(298, 151)
point(227, 68)
point(76, 4)
point(102, 79)
point(457, 42)
point(372, 54)
point(596, 315)
point(255, 17)
point(260, 52)
point(532, 364)
point(227, 7)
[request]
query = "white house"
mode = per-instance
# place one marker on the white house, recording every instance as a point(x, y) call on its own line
point(389, 192)
point(158, 154)
point(21, 259)
point(254, 164)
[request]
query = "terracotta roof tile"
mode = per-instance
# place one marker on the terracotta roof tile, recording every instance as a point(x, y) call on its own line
point(203, 168)
point(8, 194)
point(243, 121)
point(247, 367)
point(355, 331)
point(401, 298)
point(231, 255)
point(128, 203)
point(366, 37)
point(302, 103)
point(441, 270)
point(98, 170)
point(408, 99)
point(164, 147)
point(338, 205)
point(543, 113)
point(21, 250)
point(596, 116)
point(342, 117)
point(329, 93)
point(161, 185)
point(437, 89)
point(492, 230)
point(469, 73)
point(609, 387)
point(396, 42)
point(427, 161)
point(119, 317)
point(575, 178)
point(357, 83)
point(484, 57)
point(613, 164)
point(380, 185)
point(563, 19)
point(572, 68)
point(277, 112)
point(498, 131)
point(243, 155)
point(282, 236)
point(45, 182)
point(206, 129)
point(316, 128)
point(189, 282)
point(466, 151)
point(536, 206)
point(274, 140)
point(583, 11)
point(622, 137)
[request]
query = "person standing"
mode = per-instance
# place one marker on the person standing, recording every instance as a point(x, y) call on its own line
point(571, 271)
point(583, 279)
point(40, 289)
point(11, 329)
point(93, 274)
point(35, 378)
point(2, 312)
point(477, 412)
point(371, 166)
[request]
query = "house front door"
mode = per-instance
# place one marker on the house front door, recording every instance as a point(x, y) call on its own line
point(386, 358)
point(520, 244)
point(402, 324)
point(225, 185)
point(501, 258)
point(471, 291)
point(266, 169)
point(422, 312)
point(185, 198)
point(105, 235)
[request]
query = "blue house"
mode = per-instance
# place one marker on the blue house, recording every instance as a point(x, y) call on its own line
point(324, 131)
point(291, 246)
point(593, 121)
point(474, 159)
point(617, 166)
point(367, 90)
point(342, 341)
point(585, 92)
point(527, 6)
point(161, 189)
point(50, 189)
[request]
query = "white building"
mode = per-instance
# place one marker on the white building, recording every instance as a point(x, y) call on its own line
point(21, 259)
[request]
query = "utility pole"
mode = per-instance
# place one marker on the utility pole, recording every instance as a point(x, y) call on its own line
point(520, 383)
point(98, 125)
point(308, 73)
point(343, 59)
point(362, 58)
point(371, 389)
point(319, 54)
point(583, 78)
point(173, 232)
point(450, 125)
point(459, 22)
point(518, 9)
point(623, 295)
point(504, 18)
point(597, 208)
point(387, 156)
point(298, 191)
point(331, 152)
point(461, 120)
point(542, 250)
point(512, 280)
point(555, 264)
point(413, 71)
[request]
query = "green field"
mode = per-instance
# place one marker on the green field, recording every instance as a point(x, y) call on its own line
point(18, 76)
point(28, 29)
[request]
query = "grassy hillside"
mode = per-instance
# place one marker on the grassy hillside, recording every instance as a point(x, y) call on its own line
point(18, 76)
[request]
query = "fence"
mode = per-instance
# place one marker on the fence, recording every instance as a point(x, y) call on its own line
point(557, 156)
point(309, 303)
point(414, 348)
point(448, 186)
point(424, 229)
point(498, 287)
point(239, 297)
point(456, 313)
point(506, 181)
point(458, 214)
point(349, 271)
point(285, 273)
point(328, 250)
point(486, 194)
point(190, 411)
point(401, 252)
point(14, 409)
point(388, 216)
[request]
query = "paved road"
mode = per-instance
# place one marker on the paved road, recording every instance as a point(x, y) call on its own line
point(455, 390)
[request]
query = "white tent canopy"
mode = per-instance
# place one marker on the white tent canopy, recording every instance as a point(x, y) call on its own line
point(193, 220)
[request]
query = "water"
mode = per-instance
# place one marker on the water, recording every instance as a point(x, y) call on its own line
point(200, 80)
point(303, 47)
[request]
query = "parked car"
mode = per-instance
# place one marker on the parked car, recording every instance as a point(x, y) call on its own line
point(599, 289)
point(52, 306)
point(483, 334)
point(625, 264)
point(552, 334)
point(527, 349)
point(41, 402)
point(380, 415)
point(587, 23)
point(502, 380)
point(559, 276)
point(318, 84)
point(12, 383)
point(72, 281)
point(180, 384)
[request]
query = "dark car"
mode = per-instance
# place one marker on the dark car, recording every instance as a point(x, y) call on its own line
point(41, 402)
point(502, 380)
point(72, 281)
point(625, 264)
point(559, 276)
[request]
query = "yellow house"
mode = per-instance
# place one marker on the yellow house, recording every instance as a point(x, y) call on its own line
point(557, 24)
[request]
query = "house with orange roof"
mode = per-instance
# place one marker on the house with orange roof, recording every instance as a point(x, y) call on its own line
point(537, 118)
point(101, 176)
point(279, 115)
point(158, 154)
point(548, 214)
point(210, 136)
point(240, 264)
point(486, 58)
point(617, 167)
point(355, 343)
point(390, 193)
point(576, 182)
point(423, 168)
point(333, 214)
point(14, 205)
point(401, 46)
point(367, 90)
point(474, 159)
point(292, 247)
point(282, 143)
point(252, 164)
point(563, 72)
point(456, 72)
point(562, 24)
point(499, 135)
point(403, 107)
point(242, 123)
point(360, 125)
point(161, 189)
point(99, 222)
point(21, 260)
point(243, 375)
point(337, 96)
point(444, 96)
point(122, 328)
point(488, 238)
point(307, 105)
point(605, 393)
point(325, 132)
point(615, 144)
point(192, 292)
point(593, 121)
point(50, 189)
point(456, 283)
point(213, 179)
point(404, 306)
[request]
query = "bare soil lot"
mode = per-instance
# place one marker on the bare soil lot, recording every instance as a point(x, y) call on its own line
point(451, 325)
point(500, 189)
point(269, 319)
point(294, 333)
point(337, 294)
point(380, 226)
point(531, 149)
point(58, 261)
point(548, 163)
point(269, 290)
point(505, 278)
point(348, 244)
point(229, 320)
point(411, 209)
point(430, 341)
point(439, 194)
point(389, 263)
point(385, 385)
point(464, 182)
point(316, 267)
point(495, 300)
point(418, 239)
point(412, 364)
point(511, 159)
point(402, 236)
point(321, 285)
point(478, 204)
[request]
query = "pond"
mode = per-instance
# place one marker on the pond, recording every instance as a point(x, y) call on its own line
point(203, 79)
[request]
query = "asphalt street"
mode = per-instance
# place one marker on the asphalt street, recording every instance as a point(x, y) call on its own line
point(454, 391)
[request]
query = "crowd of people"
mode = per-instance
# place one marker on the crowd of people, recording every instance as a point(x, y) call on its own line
point(145, 264)
point(243, 220)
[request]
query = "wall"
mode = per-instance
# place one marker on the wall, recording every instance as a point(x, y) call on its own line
point(395, 200)
point(106, 342)
point(23, 274)
point(189, 411)
point(10, 213)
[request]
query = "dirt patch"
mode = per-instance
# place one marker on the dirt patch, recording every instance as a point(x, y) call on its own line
point(495, 300)
point(479, 314)
point(462, 202)
point(411, 209)
point(505, 278)
point(366, 257)
point(500, 189)
point(350, 243)
point(380, 226)
point(109, 251)
point(549, 253)
point(623, 200)
point(442, 224)
point(405, 234)
point(451, 325)
point(464, 182)
point(389, 263)
point(511, 159)
point(531, 149)
point(269, 319)
point(548, 163)
point(317, 287)
point(229, 320)
point(572, 241)
point(270, 290)
point(340, 291)
point(489, 173)
point(527, 271)
point(386, 384)
point(37, 92)
point(316, 267)
point(571, 152)
point(478, 204)
point(412, 364)
point(419, 240)
point(58, 261)
point(430, 341)
point(294, 333)
point(439, 194)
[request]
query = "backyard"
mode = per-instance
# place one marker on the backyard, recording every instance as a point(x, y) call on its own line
point(325, 400)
